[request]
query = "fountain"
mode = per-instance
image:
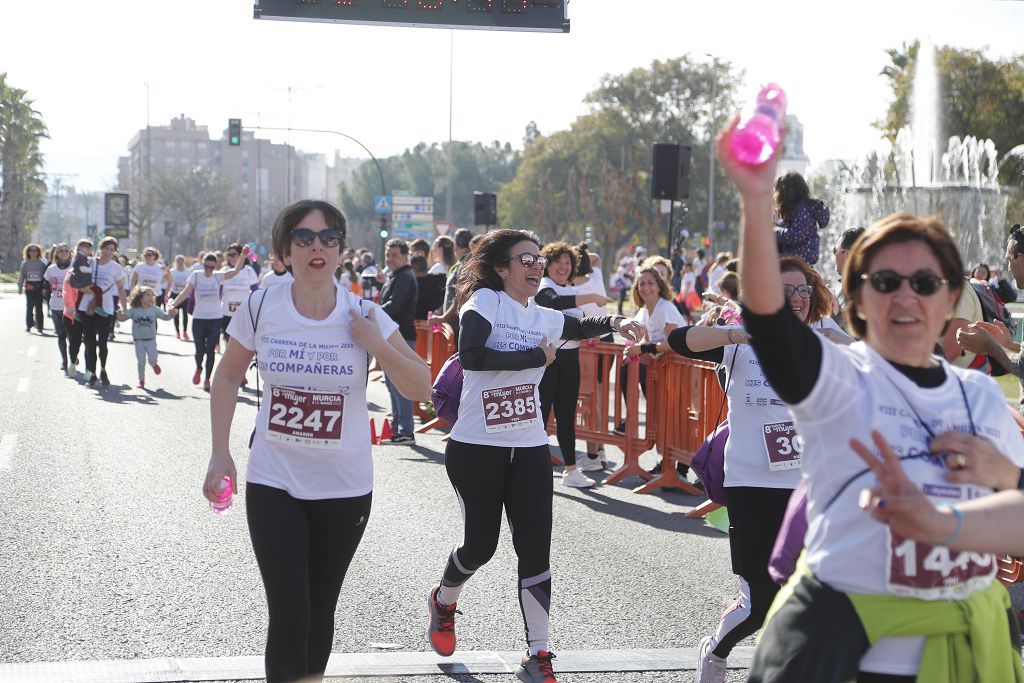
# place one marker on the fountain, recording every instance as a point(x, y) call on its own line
point(959, 185)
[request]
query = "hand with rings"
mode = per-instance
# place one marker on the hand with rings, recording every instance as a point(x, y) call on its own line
point(975, 460)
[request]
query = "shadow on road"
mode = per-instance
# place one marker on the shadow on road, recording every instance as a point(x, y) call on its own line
point(667, 521)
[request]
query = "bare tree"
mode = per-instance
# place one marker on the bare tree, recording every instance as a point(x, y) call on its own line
point(197, 198)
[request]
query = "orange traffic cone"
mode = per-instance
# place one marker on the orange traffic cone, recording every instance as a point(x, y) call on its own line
point(385, 430)
point(373, 433)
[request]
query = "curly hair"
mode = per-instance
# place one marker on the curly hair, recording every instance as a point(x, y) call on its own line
point(28, 247)
point(664, 288)
point(553, 251)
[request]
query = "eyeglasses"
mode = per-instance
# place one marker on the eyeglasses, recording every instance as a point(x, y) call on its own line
point(804, 291)
point(923, 282)
point(303, 237)
point(230, 253)
point(529, 260)
point(63, 251)
point(153, 254)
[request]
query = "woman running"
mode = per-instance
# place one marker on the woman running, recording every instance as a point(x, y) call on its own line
point(206, 315)
point(560, 385)
point(97, 307)
point(310, 474)
point(150, 273)
point(54, 276)
point(498, 457)
point(30, 282)
point(179, 278)
point(868, 603)
point(238, 281)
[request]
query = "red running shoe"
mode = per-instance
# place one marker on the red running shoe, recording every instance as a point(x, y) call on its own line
point(197, 376)
point(156, 368)
point(536, 668)
point(441, 632)
point(184, 335)
point(206, 385)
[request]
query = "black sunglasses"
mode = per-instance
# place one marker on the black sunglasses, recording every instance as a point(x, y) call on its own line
point(922, 282)
point(804, 291)
point(303, 237)
point(528, 260)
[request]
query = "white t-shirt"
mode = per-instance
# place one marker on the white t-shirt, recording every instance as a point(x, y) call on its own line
point(105, 277)
point(713, 275)
point(150, 276)
point(858, 391)
point(689, 282)
point(593, 285)
point(236, 289)
point(763, 448)
point(665, 313)
point(55, 276)
point(439, 268)
point(312, 435)
point(564, 290)
point(179, 278)
point(502, 407)
point(207, 292)
point(272, 278)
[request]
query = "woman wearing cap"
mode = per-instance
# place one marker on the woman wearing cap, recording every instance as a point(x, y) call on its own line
point(310, 475)
point(498, 457)
point(869, 603)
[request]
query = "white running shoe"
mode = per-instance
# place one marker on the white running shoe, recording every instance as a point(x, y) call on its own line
point(577, 479)
point(589, 463)
point(710, 669)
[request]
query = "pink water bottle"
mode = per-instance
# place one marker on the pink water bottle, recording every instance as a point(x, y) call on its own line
point(251, 253)
point(224, 493)
point(757, 135)
point(435, 328)
point(632, 359)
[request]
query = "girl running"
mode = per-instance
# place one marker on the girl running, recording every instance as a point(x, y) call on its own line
point(143, 312)
point(498, 457)
point(310, 474)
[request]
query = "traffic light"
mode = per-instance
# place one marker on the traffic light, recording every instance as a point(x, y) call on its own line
point(234, 132)
point(384, 232)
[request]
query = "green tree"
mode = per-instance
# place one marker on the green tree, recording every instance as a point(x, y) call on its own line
point(22, 185)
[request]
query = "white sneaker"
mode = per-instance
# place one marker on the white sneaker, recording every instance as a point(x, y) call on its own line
point(710, 669)
point(577, 479)
point(72, 370)
point(589, 463)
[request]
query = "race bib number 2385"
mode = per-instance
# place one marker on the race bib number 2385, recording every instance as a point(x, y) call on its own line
point(305, 418)
point(507, 408)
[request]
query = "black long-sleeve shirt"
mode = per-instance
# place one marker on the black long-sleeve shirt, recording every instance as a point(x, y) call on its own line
point(398, 300)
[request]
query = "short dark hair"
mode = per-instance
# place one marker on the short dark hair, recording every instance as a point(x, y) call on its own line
point(419, 264)
point(399, 243)
point(292, 215)
point(850, 236)
point(553, 251)
point(462, 237)
point(419, 244)
point(1016, 240)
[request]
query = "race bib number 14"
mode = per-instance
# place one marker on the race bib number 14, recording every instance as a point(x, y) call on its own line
point(507, 408)
point(935, 572)
point(305, 418)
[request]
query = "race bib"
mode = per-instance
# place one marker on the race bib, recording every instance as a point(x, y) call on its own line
point(507, 408)
point(931, 572)
point(783, 446)
point(233, 306)
point(305, 418)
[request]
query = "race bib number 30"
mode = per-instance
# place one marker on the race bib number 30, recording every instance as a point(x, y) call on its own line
point(305, 418)
point(783, 445)
point(507, 408)
point(934, 572)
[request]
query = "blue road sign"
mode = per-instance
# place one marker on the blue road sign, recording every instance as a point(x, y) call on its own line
point(382, 204)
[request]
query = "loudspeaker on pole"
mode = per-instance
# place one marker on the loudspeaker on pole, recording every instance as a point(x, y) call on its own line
point(671, 176)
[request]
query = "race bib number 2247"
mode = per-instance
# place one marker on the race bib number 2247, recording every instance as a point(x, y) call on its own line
point(305, 418)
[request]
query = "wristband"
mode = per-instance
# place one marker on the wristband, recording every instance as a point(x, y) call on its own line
point(649, 348)
point(959, 524)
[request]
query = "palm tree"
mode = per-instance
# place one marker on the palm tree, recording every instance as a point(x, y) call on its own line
point(22, 187)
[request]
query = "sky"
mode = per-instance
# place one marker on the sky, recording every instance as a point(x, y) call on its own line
point(99, 70)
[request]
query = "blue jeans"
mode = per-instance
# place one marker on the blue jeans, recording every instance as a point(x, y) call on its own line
point(401, 407)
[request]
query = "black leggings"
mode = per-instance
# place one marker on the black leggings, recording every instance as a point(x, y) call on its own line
point(224, 327)
point(182, 313)
point(204, 335)
point(96, 330)
point(34, 307)
point(755, 516)
point(62, 334)
point(560, 387)
point(488, 479)
point(74, 330)
point(303, 549)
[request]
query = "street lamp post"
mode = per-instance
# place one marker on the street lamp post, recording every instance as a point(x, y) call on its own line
point(711, 148)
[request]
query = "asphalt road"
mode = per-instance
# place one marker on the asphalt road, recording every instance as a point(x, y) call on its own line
point(109, 551)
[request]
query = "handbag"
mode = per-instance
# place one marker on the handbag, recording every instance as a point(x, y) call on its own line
point(447, 389)
point(708, 463)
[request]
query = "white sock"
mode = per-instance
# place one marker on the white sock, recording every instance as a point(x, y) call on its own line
point(536, 648)
point(448, 595)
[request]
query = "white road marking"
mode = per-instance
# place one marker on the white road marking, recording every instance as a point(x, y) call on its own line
point(8, 443)
point(23, 385)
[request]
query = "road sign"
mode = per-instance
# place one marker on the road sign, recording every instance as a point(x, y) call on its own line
point(442, 227)
point(115, 209)
point(382, 204)
point(412, 217)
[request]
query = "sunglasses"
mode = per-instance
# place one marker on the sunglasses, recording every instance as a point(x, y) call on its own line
point(804, 291)
point(922, 282)
point(303, 237)
point(231, 253)
point(529, 260)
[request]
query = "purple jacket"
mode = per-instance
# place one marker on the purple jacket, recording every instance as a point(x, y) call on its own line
point(799, 237)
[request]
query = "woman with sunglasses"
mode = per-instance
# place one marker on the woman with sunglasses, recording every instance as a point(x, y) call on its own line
point(54, 276)
point(860, 605)
point(238, 282)
point(498, 458)
point(762, 457)
point(310, 474)
point(206, 314)
point(30, 282)
point(151, 274)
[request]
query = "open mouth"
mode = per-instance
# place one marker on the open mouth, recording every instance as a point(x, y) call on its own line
point(317, 263)
point(533, 280)
point(905, 320)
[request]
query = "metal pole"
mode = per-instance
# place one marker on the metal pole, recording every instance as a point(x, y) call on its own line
point(451, 80)
point(671, 215)
point(711, 151)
